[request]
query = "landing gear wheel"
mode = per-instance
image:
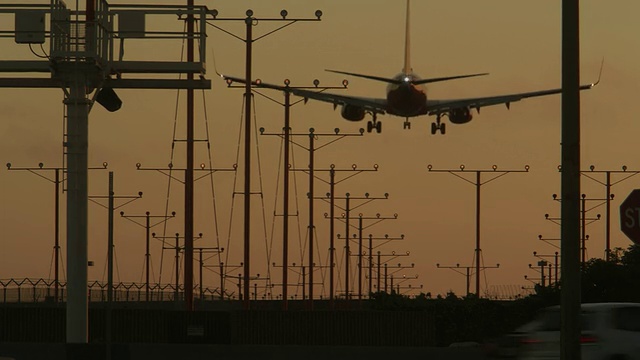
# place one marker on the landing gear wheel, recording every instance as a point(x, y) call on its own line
point(443, 129)
point(434, 128)
point(378, 127)
point(369, 126)
point(407, 124)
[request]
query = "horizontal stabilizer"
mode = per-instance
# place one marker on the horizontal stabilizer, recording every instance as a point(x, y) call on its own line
point(432, 80)
point(398, 82)
point(370, 77)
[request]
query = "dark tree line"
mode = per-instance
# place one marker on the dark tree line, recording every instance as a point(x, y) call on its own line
point(472, 319)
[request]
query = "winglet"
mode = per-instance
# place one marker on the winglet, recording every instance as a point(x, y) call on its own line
point(600, 74)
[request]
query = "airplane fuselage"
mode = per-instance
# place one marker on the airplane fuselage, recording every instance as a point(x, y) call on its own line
point(406, 99)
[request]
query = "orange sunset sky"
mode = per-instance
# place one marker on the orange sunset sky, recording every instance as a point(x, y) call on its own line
point(517, 42)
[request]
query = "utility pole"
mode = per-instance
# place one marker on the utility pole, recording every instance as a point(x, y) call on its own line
point(496, 174)
point(250, 21)
point(83, 64)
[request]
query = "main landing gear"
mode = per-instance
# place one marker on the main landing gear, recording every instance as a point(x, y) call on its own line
point(438, 126)
point(374, 124)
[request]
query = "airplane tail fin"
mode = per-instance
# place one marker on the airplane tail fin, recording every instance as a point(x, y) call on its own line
point(407, 42)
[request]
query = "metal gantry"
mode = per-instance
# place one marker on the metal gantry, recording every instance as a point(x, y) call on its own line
point(82, 62)
point(478, 183)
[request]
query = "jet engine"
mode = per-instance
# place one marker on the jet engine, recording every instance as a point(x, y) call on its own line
point(352, 112)
point(460, 115)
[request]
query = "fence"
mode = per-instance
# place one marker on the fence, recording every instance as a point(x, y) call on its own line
point(43, 290)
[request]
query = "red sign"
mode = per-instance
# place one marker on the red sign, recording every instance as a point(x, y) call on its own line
point(630, 216)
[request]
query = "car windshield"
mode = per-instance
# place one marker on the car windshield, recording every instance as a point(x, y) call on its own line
point(627, 318)
point(550, 320)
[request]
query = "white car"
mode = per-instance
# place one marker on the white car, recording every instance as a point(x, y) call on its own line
point(610, 331)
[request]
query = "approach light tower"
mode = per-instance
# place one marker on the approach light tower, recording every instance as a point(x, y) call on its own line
point(81, 61)
point(494, 173)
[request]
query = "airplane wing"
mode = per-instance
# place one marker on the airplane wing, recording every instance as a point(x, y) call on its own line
point(436, 107)
point(373, 105)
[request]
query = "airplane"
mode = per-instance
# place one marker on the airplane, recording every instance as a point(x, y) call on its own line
point(406, 97)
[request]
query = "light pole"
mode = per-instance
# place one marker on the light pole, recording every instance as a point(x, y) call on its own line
point(478, 183)
point(331, 215)
point(312, 148)
point(385, 239)
point(110, 245)
point(398, 283)
point(394, 270)
point(286, 89)
point(468, 271)
point(345, 217)
point(57, 181)
point(361, 226)
point(249, 39)
point(201, 251)
point(542, 264)
point(584, 221)
point(388, 257)
point(556, 263)
point(190, 178)
point(547, 240)
point(177, 249)
point(608, 184)
point(147, 225)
